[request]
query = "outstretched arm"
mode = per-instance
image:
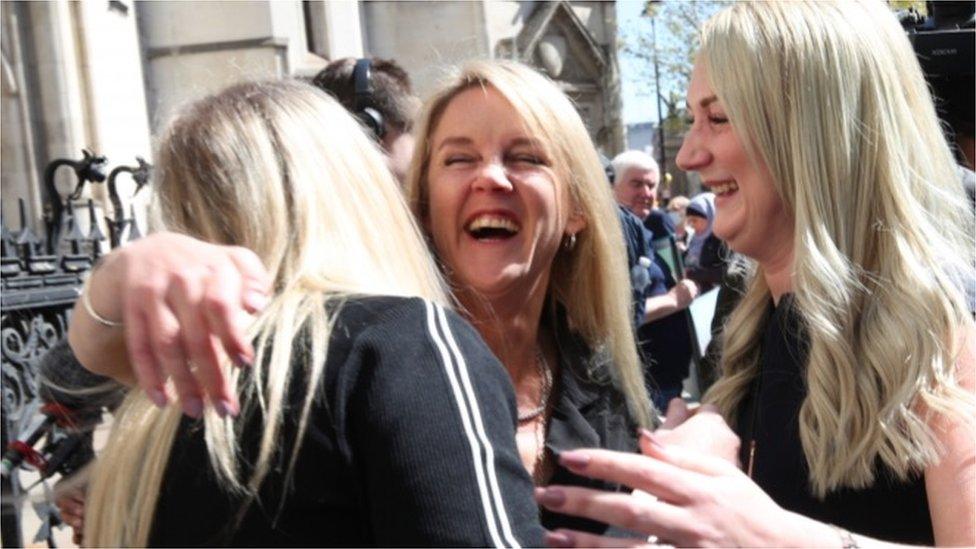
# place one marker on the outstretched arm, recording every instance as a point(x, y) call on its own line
point(170, 307)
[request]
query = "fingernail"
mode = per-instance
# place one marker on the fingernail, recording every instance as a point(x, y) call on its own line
point(157, 397)
point(255, 300)
point(552, 497)
point(193, 407)
point(243, 360)
point(574, 461)
point(559, 539)
point(225, 408)
point(220, 407)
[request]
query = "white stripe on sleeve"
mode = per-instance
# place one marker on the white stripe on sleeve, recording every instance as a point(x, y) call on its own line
point(466, 422)
point(480, 429)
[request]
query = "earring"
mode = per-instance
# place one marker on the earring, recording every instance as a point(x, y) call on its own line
point(569, 242)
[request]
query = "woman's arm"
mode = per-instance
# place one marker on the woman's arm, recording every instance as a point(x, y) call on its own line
point(177, 301)
point(707, 501)
point(950, 484)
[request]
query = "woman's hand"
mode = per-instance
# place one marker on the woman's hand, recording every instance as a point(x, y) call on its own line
point(184, 306)
point(702, 500)
point(699, 429)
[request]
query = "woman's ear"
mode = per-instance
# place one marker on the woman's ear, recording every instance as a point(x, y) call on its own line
point(576, 223)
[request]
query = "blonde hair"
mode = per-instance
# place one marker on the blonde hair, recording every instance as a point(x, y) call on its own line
point(830, 96)
point(590, 280)
point(282, 169)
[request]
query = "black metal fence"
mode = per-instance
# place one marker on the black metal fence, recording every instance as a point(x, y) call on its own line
point(41, 278)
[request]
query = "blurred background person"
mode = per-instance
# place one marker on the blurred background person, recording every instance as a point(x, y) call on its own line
point(707, 256)
point(676, 209)
point(635, 186)
point(664, 333)
point(379, 93)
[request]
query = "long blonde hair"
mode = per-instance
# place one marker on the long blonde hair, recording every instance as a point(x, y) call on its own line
point(590, 280)
point(830, 96)
point(282, 169)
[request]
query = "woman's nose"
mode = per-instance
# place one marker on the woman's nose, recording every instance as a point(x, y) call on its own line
point(492, 176)
point(693, 155)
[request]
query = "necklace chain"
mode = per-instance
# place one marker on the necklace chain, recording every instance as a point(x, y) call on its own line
point(545, 373)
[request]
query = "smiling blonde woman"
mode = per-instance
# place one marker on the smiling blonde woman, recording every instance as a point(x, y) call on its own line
point(848, 366)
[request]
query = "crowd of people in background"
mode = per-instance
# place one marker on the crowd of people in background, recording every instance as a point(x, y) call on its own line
point(368, 319)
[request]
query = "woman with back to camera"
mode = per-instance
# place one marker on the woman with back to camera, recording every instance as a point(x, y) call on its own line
point(511, 193)
point(848, 367)
point(350, 387)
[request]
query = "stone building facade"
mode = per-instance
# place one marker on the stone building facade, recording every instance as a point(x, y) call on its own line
point(107, 75)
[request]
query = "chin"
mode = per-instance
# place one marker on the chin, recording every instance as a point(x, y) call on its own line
point(502, 282)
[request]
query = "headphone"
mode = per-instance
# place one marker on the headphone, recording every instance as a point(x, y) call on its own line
point(364, 109)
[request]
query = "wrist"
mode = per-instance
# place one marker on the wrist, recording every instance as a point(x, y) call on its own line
point(805, 531)
point(103, 289)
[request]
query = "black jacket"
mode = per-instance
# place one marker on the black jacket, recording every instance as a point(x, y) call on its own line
point(411, 441)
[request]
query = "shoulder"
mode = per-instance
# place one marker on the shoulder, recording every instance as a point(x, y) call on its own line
point(404, 338)
point(659, 223)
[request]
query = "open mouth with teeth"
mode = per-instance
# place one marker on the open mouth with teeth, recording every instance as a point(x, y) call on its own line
point(726, 188)
point(492, 227)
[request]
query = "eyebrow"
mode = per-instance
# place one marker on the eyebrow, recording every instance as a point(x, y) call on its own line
point(527, 141)
point(704, 102)
point(461, 141)
point(454, 141)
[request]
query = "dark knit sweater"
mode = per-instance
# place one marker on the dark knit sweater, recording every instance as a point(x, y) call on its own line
point(411, 441)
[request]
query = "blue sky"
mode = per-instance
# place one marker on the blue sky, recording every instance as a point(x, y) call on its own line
point(637, 108)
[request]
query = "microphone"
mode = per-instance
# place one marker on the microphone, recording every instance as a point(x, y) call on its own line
point(81, 394)
point(73, 402)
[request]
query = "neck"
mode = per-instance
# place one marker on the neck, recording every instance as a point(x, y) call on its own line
point(509, 324)
point(778, 272)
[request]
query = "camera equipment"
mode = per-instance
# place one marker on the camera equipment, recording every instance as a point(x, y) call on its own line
point(73, 402)
point(365, 109)
point(944, 45)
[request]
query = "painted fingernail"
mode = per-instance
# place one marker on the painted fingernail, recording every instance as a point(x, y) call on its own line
point(552, 497)
point(559, 539)
point(157, 397)
point(225, 408)
point(255, 300)
point(574, 461)
point(243, 361)
point(221, 408)
point(193, 407)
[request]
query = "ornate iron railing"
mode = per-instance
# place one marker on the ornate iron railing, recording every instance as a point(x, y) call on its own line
point(41, 278)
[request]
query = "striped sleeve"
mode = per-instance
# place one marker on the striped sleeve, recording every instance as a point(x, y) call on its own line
point(432, 432)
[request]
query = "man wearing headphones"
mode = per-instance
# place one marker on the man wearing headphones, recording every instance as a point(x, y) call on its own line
point(379, 94)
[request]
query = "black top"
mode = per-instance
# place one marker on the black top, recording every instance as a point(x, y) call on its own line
point(411, 441)
point(890, 509)
point(588, 412)
point(712, 263)
point(659, 223)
